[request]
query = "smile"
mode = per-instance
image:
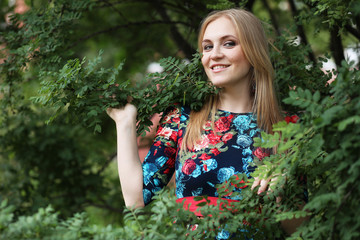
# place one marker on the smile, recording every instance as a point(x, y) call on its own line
point(218, 67)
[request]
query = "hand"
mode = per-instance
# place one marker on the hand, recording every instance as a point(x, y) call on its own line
point(265, 185)
point(123, 115)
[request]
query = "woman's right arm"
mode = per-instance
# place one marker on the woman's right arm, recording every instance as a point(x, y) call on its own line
point(129, 165)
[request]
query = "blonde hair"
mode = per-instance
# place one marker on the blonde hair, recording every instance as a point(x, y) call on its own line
point(254, 44)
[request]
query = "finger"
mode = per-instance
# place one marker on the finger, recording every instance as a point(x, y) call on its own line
point(263, 185)
point(255, 183)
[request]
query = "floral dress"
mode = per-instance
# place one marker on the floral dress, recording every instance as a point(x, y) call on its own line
point(221, 153)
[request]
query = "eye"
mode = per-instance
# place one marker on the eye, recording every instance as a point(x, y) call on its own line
point(229, 44)
point(207, 47)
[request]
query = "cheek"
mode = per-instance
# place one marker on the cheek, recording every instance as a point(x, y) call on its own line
point(203, 60)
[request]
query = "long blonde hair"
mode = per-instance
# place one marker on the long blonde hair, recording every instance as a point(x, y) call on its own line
point(255, 48)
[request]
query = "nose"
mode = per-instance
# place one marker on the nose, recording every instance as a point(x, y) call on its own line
point(216, 53)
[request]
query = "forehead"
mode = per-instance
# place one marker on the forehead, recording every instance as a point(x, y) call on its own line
point(218, 28)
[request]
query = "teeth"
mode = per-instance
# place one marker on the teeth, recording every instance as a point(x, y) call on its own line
point(219, 67)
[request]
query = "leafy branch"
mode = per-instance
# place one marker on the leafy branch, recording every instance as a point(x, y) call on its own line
point(84, 91)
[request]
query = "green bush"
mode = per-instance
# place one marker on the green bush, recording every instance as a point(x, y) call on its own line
point(62, 164)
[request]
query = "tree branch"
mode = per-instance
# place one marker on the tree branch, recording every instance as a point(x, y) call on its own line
point(126, 25)
point(175, 34)
point(249, 5)
point(336, 46)
point(301, 30)
point(107, 3)
point(272, 17)
point(353, 31)
point(110, 159)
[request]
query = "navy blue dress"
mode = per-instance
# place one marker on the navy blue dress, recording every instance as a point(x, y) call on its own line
point(221, 153)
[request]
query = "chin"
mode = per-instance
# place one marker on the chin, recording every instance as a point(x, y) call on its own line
point(218, 83)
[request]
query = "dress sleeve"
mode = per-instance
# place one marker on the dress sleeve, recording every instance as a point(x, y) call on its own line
point(159, 164)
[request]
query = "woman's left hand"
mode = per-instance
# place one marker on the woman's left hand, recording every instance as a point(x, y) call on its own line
point(265, 185)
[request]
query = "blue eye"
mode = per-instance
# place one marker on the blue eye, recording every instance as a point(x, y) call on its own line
point(207, 47)
point(229, 44)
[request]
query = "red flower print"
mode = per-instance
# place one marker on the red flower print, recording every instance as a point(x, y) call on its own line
point(180, 141)
point(176, 120)
point(203, 143)
point(173, 136)
point(172, 116)
point(204, 156)
point(227, 137)
point(188, 167)
point(230, 117)
point(215, 151)
point(222, 124)
point(260, 153)
point(205, 167)
point(292, 119)
point(157, 143)
point(170, 162)
point(207, 125)
point(169, 151)
point(213, 138)
point(165, 132)
point(180, 133)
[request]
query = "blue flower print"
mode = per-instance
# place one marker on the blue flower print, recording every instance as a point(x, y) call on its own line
point(242, 122)
point(149, 170)
point(245, 169)
point(146, 195)
point(157, 182)
point(156, 189)
point(196, 172)
point(247, 159)
point(147, 155)
point(211, 184)
point(211, 164)
point(223, 235)
point(244, 141)
point(225, 173)
point(253, 132)
point(253, 125)
point(180, 187)
point(183, 116)
point(160, 161)
point(247, 152)
point(197, 192)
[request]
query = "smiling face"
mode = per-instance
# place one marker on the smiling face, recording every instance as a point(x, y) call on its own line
point(223, 58)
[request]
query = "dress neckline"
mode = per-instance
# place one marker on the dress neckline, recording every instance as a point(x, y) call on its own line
point(234, 113)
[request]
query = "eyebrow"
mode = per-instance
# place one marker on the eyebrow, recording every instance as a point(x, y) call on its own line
point(222, 38)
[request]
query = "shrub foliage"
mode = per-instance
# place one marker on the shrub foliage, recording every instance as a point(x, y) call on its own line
point(51, 171)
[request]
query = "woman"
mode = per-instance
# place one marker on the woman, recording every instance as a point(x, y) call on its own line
point(207, 147)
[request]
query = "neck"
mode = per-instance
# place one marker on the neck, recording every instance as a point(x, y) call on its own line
point(235, 100)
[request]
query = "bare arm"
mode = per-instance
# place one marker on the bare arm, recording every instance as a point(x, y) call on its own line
point(129, 165)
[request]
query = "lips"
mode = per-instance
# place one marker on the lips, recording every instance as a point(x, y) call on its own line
point(218, 67)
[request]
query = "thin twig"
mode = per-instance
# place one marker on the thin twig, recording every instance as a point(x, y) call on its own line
point(126, 25)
